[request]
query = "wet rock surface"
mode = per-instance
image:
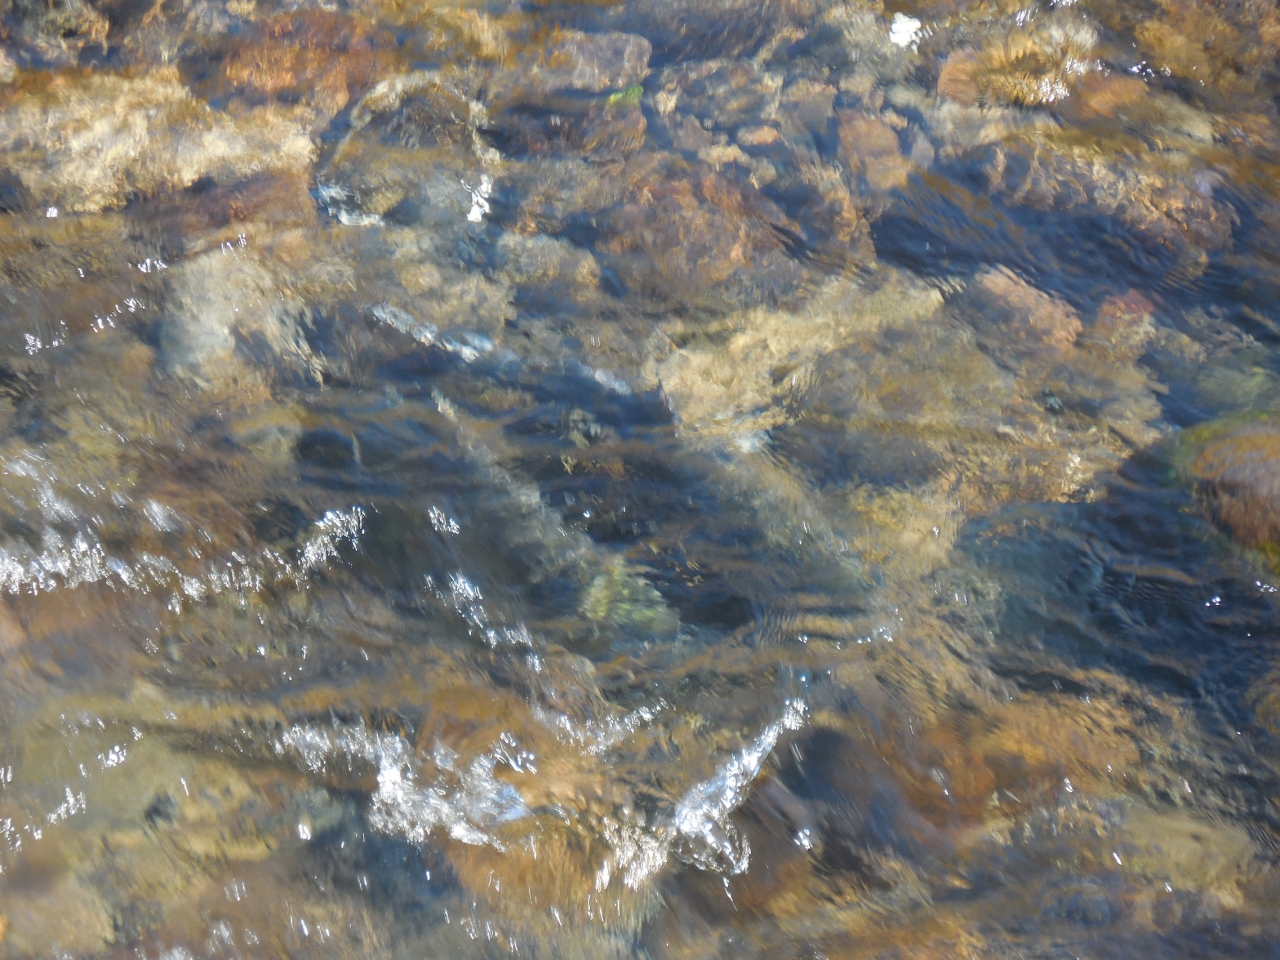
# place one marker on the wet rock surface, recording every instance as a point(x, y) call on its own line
point(668, 480)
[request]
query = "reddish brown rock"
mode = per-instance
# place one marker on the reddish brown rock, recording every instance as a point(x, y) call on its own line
point(316, 58)
point(688, 231)
point(1018, 322)
point(956, 79)
point(1238, 474)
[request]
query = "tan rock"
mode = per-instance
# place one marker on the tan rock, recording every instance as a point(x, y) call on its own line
point(758, 136)
point(86, 142)
point(1106, 94)
point(215, 297)
point(1230, 46)
point(67, 905)
point(864, 137)
point(1038, 61)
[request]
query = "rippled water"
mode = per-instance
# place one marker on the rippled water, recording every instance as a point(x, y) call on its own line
point(754, 478)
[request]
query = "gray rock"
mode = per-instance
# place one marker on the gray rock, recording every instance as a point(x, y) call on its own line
point(216, 299)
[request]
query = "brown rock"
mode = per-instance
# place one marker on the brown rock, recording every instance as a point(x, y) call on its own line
point(870, 147)
point(956, 79)
point(688, 231)
point(609, 128)
point(1026, 316)
point(1230, 46)
point(1105, 94)
point(272, 69)
point(612, 129)
point(1238, 473)
point(864, 137)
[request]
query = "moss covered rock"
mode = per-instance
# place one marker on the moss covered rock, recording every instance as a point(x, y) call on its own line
point(1235, 466)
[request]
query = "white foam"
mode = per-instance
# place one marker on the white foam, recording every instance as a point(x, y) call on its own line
point(466, 801)
point(905, 30)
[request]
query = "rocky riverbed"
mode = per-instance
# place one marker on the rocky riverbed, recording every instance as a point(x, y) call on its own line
point(754, 478)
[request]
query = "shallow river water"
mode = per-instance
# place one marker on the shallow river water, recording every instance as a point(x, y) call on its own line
point(660, 479)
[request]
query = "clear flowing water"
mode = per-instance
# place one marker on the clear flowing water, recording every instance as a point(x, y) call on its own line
point(751, 478)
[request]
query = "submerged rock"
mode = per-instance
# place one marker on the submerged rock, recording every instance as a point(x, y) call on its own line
point(956, 80)
point(219, 299)
point(719, 94)
point(691, 233)
point(871, 149)
point(1230, 46)
point(92, 141)
point(682, 29)
point(577, 62)
point(1236, 468)
point(58, 31)
point(316, 59)
point(1038, 61)
point(424, 108)
point(1162, 201)
point(1019, 324)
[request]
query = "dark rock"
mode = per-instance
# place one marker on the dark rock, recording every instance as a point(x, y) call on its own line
point(326, 448)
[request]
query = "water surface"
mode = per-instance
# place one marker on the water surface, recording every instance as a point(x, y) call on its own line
point(754, 478)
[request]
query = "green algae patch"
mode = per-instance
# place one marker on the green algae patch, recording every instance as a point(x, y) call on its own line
point(625, 600)
point(629, 97)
